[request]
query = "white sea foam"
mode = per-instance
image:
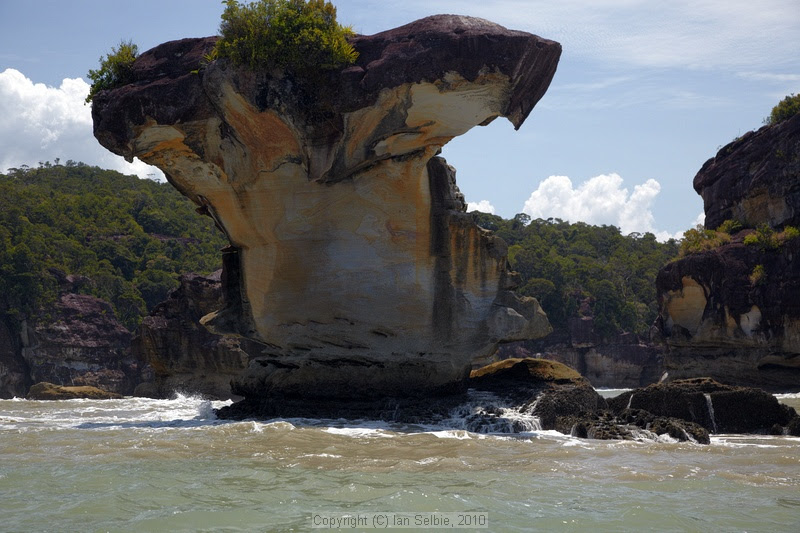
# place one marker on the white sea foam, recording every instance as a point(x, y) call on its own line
point(359, 431)
point(180, 411)
point(610, 393)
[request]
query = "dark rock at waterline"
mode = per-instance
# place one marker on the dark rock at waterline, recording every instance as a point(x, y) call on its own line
point(630, 425)
point(178, 353)
point(504, 392)
point(793, 428)
point(566, 402)
point(408, 410)
point(717, 407)
point(50, 391)
point(514, 383)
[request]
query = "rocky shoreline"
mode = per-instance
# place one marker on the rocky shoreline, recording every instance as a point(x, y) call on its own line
point(560, 399)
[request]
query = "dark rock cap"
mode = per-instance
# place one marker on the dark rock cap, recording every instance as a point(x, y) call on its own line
point(755, 178)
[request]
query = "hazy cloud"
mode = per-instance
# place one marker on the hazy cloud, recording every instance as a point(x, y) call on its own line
point(699, 34)
point(484, 206)
point(599, 200)
point(41, 123)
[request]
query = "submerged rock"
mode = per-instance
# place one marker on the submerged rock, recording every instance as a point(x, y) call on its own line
point(49, 391)
point(351, 259)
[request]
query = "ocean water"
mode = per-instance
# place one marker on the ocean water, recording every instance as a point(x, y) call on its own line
point(169, 465)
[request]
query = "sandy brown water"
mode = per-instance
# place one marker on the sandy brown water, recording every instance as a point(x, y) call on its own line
point(169, 465)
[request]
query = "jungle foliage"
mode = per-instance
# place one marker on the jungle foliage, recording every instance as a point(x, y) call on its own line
point(130, 237)
point(301, 36)
point(573, 269)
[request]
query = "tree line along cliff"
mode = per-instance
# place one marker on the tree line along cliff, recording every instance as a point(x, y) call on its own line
point(73, 231)
point(123, 239)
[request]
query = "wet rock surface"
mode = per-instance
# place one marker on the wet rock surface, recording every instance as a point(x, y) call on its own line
point(716, 407)
point(526, 395)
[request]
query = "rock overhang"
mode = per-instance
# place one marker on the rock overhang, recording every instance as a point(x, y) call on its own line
point(350, 246)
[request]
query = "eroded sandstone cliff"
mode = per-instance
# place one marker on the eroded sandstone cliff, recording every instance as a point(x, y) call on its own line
point(179, 354)
point(733, 313)
point(351, 260)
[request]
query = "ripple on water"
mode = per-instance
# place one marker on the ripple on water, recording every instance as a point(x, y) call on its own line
point(170, 465)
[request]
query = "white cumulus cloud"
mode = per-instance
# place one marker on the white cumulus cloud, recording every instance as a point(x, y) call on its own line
point(599, 200)
point(484, 206)
point(41, 123)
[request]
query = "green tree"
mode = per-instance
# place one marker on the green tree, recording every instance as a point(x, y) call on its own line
point(301, 36)
point(116, 69)
point(82, 220)
point(786, 109)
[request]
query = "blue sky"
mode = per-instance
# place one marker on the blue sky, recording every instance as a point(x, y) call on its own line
point(645, 93)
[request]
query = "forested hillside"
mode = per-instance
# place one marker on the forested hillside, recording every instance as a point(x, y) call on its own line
point(129, 237)
point(132, 237)
point(578, 269)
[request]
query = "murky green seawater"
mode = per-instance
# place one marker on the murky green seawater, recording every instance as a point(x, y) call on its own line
point(147, 465)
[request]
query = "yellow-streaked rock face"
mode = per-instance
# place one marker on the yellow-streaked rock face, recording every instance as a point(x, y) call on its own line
point(351, 260)
point(685, 307)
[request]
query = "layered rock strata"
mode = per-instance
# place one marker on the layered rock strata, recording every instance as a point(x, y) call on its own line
point(81, 344)
point(732, 313)
point(179, 354)
point(351, 259)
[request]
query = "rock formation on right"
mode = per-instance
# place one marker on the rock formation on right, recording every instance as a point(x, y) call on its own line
point(733, 312)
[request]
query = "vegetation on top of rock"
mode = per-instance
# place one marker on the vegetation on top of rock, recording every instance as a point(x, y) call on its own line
point(125, 239)
point(767, 238)
point(115, 70)
point(699, 239)
point(301, 36)
point(786, 109)
point(731, 227)
point(578, 269)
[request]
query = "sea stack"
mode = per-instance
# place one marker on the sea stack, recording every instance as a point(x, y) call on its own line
point(352, 260)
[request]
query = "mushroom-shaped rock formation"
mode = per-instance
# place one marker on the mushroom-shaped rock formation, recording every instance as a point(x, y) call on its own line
point(352, 259)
